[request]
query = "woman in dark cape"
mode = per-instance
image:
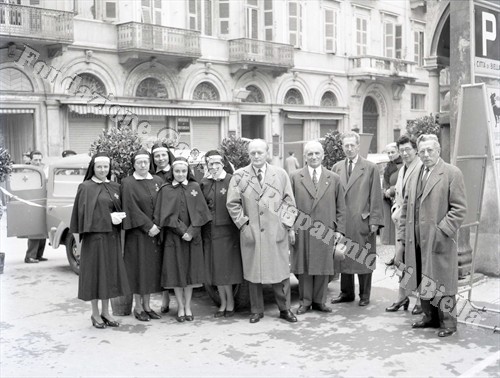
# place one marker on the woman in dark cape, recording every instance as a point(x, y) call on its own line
point(388, 233)
point(96, 217)
point(181, 211)
point(221, 242)
point(142, 255)
point(161, 167)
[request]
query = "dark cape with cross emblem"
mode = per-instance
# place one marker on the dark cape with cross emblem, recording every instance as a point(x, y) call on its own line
point(221, 238)
point(102, 270)
point(181, 209)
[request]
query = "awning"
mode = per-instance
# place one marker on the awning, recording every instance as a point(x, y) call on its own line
point(16, 111)
point(315, 113)
point(119, 110)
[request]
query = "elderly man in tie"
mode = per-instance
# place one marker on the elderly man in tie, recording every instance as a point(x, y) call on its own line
point(320, 201)
point(258, 200)
point(433, 209)
point(360, 180)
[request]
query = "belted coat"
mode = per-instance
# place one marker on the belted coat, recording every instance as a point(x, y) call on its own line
point(363, 199)
point(264, 243)
point(443, 208)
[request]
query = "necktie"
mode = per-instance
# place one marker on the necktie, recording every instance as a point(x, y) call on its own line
point(349, 169)
point(425, 176)
point(259, 176)
point(315, 179)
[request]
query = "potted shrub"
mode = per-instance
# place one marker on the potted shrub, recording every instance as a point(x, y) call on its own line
point(5, 170)
point(332, 144)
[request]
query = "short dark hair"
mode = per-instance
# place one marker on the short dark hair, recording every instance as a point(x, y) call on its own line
point(290, 153)
point(35, 152)
point(403, 139)
point(68, 153)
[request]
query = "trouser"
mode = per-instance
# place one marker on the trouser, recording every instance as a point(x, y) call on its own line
point(36, 247)
point(281, 295)
point(312, 289)
point(438, 312)
point(347, 285)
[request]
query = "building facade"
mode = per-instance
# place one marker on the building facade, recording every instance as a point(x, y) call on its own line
point(197, 71)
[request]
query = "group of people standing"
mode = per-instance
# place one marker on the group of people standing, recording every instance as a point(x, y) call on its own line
point(260, 224)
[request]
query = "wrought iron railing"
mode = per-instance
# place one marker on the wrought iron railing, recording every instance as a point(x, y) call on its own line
point(39, 23)
point(244, 50)
point(383, 65)
point(140, 36)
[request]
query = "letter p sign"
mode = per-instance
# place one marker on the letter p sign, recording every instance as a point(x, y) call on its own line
point(488, 30)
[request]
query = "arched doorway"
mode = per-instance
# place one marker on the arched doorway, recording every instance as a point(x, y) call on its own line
point(370, 122)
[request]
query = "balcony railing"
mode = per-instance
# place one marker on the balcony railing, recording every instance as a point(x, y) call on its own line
point(245, 50)
point(37, 23)
point(376, 65)
point(169, 41)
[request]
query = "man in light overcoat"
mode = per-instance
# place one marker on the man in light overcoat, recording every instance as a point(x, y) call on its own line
point(360, 180)
point(433, 209)
point(321, 205)
point(258, 201)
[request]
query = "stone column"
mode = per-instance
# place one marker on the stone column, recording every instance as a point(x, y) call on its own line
point(434, 90)
point(54, 129)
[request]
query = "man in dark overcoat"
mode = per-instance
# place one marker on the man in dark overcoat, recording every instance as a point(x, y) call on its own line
point(321, 205)
point(433, 209)
point(360, 180)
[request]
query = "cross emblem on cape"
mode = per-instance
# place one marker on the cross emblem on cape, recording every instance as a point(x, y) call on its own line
point(117, 196)
point(194, 193)
point(223, 191)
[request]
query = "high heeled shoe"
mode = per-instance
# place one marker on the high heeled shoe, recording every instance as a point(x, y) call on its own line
point(110, 323)
point(97, 324)
point(396, 306)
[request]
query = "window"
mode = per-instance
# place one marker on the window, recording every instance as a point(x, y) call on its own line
point(255, 95)
point(259, 19)
point(417, 101)
point(223, 17)
point(151, 87)
point(294, 97)
point(393, 40)
point(109, 12)
point(361, 35)
point(151, 11)
point(330, 28)
point(252, 25)
point(329, 99)
point(418, 49)
point(206, 91)
point(268, 20)
point(295, 23)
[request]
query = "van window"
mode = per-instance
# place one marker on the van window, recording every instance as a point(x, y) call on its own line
point(25, 179)
point(66, 181)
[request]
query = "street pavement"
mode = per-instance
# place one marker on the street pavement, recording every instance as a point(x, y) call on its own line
point(45, 331)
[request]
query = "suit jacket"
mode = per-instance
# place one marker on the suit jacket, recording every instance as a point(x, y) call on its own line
point(402, 184)
point(264, 244)
point(443, 207)
point(321, 213)
point(363, 199)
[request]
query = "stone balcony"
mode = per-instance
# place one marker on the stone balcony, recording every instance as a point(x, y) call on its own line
point(142, 42)
point(41, 27)
point(250, 54)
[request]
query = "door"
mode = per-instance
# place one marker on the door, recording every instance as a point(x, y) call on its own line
point(26, 210)
point(252, 126)
point(370, 122)
point(294, 139)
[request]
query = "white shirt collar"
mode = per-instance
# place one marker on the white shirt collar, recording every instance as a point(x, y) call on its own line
point(317, 169)
point(263, 169)
point(221, 177)
point(95, 179)
point(139, 178)
point(175, 183)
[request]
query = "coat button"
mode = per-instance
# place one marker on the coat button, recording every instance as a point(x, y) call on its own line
point(261, 213)
point(261, 230)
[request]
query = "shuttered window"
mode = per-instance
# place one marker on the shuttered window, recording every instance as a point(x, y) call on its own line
point(361, 35)
point(110, 11)
point(295, 23)
point(83, 130)
point(205, 133)
point(223, 17)
point(330, 22)
point(268, 20)
point(418, 48)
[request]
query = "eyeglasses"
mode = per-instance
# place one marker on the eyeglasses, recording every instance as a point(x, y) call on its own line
point(406, 150)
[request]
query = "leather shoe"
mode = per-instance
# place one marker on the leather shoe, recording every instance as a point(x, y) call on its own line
point(219, 314)
point(303, 309)
point(288, 316)
point(341, 299)
point(364, 302)
point(165, 310)
point(424, 324)
point(142, 316)
point(445, 332)
point(41, 259)
point(397, 305)
point(417, 310)
point(180, 318)
point(189, 318)
point(152, 314)
point(109, 323)
point(228, 314)
point(96, 323)
point(321, 307)
point(254, 318)
point(31, 260)
point(390, 262)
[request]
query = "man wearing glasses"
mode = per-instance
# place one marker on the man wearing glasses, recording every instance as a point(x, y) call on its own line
point(433, 209)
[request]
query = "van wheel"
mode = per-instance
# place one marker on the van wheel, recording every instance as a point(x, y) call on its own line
point(240, 293)
point(73, 253)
